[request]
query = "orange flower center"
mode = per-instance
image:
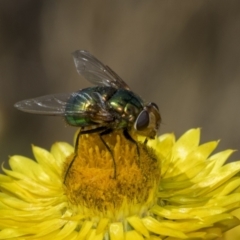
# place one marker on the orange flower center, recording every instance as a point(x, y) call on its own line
point(93, 181)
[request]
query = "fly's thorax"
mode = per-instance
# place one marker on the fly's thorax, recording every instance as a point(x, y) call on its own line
point(125, 106)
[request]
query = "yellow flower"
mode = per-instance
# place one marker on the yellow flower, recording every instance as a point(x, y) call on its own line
point(233, 234)
point(167, 190)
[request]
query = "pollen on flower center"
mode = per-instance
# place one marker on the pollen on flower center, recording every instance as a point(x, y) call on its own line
point(90, 181)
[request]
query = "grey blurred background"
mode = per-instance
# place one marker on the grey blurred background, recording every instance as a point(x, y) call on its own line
point(183, 55)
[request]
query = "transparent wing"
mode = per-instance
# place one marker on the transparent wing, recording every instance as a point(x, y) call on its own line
point(55, 105)
point(95, 71)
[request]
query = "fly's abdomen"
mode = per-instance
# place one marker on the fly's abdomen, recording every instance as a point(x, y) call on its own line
point(89, 107)
point(76, 109)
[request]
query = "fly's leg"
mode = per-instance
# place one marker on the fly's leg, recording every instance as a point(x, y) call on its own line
point(107, 131)
point(81, 132)
point(77, 141)
point(128, 137)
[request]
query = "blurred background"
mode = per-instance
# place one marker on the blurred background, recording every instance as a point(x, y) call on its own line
point(183, 55)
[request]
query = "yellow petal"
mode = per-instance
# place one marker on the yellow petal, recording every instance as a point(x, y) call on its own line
point(213, 233)
point(186, 143)
point(200, 154)
point(197, 235)
point(164, 150)
point(46, 227)
point(67, 229)
point(226, 201)
point(169, 214)
point(137, 224)
point(61, 151)
point(116, 231)
point(153, 237)
point(227, 224)
point(85, 228)
point(28, 168)
point(47, 160)
point(217, 160)
point(102, 225)
point(226, 188)
point(93, 236)
point(218, 178)
point(18, 191)
point(156, 227)
point(133, 235)
point(4, 178)
point(5, 233)
point(185, 200)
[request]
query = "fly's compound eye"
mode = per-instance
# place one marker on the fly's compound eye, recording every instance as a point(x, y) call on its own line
point(142, 121)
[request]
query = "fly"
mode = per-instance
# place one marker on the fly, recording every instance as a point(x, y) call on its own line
point(108, 106)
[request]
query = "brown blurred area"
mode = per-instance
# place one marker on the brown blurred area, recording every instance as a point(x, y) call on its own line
point(183, 55)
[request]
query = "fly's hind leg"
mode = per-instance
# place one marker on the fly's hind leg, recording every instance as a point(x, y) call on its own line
point(129, 137)
point(81, 132)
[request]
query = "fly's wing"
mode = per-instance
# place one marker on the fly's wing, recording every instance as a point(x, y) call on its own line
point(46, 105)
point(55, 105)
point(96, 72)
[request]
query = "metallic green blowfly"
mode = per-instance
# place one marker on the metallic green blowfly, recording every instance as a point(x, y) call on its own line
point(108, 106)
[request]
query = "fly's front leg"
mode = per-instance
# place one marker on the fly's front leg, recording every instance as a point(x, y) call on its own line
point(128, 137)
point(77, 142)
point(81, 132)
point(108, 131)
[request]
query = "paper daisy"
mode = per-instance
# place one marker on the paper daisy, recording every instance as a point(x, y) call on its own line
point(169, 190)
